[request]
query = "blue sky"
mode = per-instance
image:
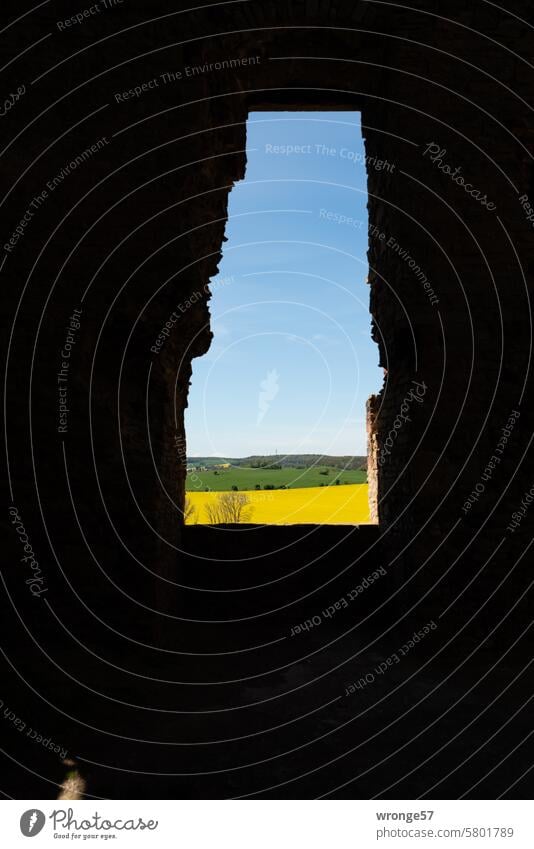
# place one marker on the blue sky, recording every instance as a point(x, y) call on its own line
point(292, 362)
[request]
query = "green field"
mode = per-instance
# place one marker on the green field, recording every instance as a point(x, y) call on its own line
point(247, 478)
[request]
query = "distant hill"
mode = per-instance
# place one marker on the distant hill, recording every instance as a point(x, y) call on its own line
point(304, 461)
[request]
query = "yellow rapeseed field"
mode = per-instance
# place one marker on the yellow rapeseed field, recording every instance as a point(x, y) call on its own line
point(331, 505)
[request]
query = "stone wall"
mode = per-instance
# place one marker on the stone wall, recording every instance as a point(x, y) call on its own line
point(134, 239)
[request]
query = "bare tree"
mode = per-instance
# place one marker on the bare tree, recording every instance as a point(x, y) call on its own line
point(230, 508)
point(214, 513)
point(237, 507)
point(190, 512)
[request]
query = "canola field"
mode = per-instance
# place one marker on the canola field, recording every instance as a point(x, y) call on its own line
point(326, 505)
